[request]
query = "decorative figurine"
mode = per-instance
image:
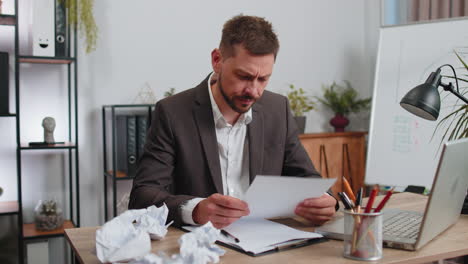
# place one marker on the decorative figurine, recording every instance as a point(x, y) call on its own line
point(48, 123)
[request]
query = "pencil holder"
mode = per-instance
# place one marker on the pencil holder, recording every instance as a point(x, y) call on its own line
point(363, 236)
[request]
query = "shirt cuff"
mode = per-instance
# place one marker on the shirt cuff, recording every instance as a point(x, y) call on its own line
point(186, 210)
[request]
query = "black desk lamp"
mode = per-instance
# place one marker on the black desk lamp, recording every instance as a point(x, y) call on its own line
point(424, 99)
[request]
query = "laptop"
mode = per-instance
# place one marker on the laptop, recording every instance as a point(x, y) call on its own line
point(412, 230)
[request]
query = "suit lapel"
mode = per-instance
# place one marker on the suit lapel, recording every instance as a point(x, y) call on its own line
point(255, 134)
point(204, 120)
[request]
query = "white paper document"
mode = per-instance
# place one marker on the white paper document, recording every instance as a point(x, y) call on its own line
point(278, 196)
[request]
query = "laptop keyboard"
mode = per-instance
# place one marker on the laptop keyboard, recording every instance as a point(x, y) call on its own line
point(403, 225)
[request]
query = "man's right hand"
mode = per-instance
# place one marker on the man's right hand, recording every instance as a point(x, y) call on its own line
point(220, 210)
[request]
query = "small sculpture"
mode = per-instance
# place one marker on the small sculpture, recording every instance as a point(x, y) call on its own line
point(48, 123)
point(145, 95)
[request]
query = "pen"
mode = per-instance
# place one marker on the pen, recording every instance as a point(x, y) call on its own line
point(349, 200)
point(348, 190)
point(371, 199)
point(359, 197)
point(346, 203)
point(227, 234)
point(384, 201)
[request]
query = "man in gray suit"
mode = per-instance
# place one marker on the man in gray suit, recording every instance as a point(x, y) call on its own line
point(206, 144)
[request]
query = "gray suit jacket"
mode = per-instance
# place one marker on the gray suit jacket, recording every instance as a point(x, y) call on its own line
point(181, 159)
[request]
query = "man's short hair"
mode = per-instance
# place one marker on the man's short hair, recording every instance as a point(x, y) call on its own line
point(254, 33)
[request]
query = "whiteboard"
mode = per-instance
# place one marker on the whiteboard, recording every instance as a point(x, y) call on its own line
point(401, 149)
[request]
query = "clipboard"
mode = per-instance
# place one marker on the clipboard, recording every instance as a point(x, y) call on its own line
point(230, 241)
point(280, 248)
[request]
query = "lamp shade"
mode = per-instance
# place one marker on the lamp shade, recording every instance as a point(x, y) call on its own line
point(424, 99)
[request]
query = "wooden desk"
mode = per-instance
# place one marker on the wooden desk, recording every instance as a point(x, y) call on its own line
point(451, 243)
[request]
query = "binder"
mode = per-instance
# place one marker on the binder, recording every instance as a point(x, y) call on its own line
point(61, 37)
point(130, 141)
point(43, 28)
point(131, 145)
point(121, 143)
point(142, 126)
point(4, 83)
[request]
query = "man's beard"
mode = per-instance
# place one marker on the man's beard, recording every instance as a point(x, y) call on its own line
point(231, 101)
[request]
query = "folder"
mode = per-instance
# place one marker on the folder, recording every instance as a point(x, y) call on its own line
point(257, 237)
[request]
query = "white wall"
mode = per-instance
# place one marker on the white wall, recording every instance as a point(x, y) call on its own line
point(168, 44)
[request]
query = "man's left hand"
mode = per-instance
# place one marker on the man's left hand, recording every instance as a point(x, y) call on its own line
point(317, 210)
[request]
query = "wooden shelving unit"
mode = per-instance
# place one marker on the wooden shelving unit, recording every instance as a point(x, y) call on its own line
point(8, 207)
point(113, 174)
point(66, 145)
point(30, 231)
point(45, 60)
point(7, 20)
point(27, 232)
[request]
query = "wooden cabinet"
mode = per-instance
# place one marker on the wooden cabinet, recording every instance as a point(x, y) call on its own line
point(337, 155)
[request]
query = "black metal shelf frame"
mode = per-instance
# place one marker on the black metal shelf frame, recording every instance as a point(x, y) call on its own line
point(7, 115)
point(48, 147)
point(110, 172)
point(72, 149)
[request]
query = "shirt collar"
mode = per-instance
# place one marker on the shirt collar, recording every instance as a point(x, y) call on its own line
point(218, 117)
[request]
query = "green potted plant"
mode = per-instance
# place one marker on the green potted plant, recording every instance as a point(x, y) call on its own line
point(300, 103)
point(456, 122)
point(80, 14)
point(170, 92)
point(342, 100)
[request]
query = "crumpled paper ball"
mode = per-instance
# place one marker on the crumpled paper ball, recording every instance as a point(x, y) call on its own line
point(196, 247)
point(199, 246)
point(119, 240)
point(154, 222)
point(128, 236)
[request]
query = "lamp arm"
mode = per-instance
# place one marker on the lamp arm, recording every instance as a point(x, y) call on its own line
point(449, 87)
point(454, 73)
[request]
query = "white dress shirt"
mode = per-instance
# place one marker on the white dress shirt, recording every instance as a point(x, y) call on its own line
point(233, 150)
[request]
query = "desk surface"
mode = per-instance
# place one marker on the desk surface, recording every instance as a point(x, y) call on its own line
point(451, 243)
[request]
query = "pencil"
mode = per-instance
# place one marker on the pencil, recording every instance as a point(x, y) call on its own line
point(384, 201)
point(348, 190)
point(371, 199)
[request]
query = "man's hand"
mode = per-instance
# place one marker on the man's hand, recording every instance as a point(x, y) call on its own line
point(317, 210)
point(221, 210)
